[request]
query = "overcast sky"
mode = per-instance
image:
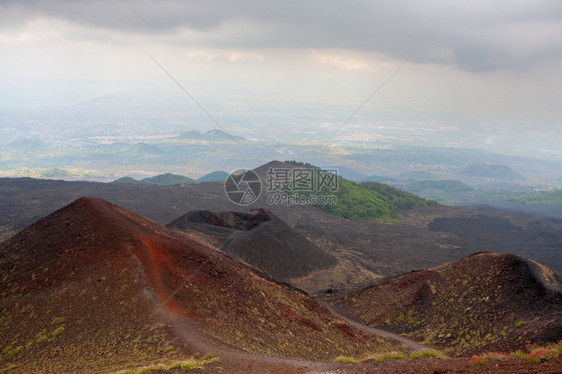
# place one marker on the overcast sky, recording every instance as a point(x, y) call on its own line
point(499, 62)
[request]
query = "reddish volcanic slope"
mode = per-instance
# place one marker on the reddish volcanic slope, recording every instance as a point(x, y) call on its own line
point(92, 287)
point(484, 302)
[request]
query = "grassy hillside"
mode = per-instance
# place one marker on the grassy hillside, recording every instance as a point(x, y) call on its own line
point(368, 200)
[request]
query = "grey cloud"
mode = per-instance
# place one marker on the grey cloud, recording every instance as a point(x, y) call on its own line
point(129, 15)
point(478, 35)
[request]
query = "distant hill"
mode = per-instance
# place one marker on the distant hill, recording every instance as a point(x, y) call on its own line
point(214, 135)
point(482, 303)
point(96, 288)
point(261, 239)
point(215, 176)
point(127, 180)
point(438, 190)
point(167, 179)
point(417, 176)
point(444, 186)
point(192, 134)
point(54, 172)
point(144, 150)
point(483, 170)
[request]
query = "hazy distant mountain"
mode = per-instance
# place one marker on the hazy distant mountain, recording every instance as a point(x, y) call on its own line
point(484, 170)
point(167, 179)
point(192, 134)
point(439, 190)
point(215, 176)
point(418, 176)
point(54, 172)
point(145, 150)
point(128, 180)
point(214, 135)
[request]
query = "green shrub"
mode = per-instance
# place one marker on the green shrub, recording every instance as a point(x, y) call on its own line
point(519, 354)
point(390, 356)
point(57, 321)
point(477, 360)
point(9, 352)
point(40, 338)
point(59, 330)
point(185, 365)
point(534, 360)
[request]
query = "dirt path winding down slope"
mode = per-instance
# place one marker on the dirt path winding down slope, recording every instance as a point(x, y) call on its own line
point(236, 361)
point(412, 345)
